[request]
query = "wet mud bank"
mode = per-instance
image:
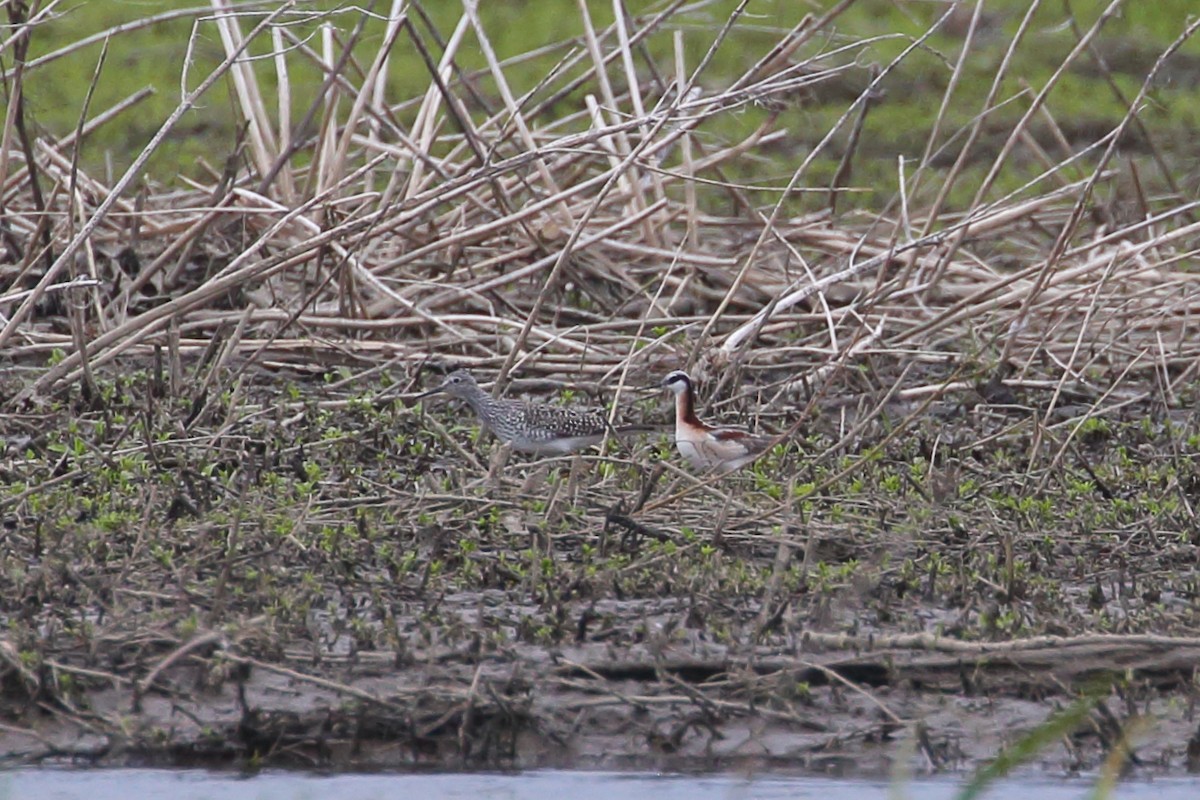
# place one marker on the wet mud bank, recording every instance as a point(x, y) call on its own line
point(829, 704)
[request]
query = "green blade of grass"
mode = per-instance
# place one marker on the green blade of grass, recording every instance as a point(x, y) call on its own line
point(1028, 746)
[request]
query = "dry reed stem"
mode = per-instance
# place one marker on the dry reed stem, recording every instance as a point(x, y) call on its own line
point(134, 170)
point(498, 241)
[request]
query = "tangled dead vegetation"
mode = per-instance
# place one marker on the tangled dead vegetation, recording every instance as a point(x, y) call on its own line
point(225, 520)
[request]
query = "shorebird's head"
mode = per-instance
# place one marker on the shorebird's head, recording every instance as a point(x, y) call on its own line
point(459, 383)
point(678, 382)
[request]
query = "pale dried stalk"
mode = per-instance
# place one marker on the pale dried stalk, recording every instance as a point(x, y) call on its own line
point(630, 183)
point(262, 138)
point(287, 189)
point(472, 11)
point(134, 170)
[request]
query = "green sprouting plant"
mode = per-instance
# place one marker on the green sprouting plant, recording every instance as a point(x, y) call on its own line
point(767, 483)
point(187, 626)
point(917, 468)
point(407, 563)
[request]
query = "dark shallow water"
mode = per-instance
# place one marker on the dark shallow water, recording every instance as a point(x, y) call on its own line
point(127, 784)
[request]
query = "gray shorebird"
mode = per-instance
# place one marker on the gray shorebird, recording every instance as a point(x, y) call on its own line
point(532, 427)
point(704, 446)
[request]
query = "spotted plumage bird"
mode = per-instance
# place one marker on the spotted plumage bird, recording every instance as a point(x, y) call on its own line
point(704, 446)
point(532, 427)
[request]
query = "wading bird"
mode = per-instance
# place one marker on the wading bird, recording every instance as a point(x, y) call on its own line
point(704, 446)
point(532, 427)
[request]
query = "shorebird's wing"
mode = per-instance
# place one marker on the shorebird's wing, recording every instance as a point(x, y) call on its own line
point(731, 448)
point(565, 421)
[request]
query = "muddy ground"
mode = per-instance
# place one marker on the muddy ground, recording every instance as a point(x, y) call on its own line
point(248, 565)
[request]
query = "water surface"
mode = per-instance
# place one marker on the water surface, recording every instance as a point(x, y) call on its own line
point(127, 784)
